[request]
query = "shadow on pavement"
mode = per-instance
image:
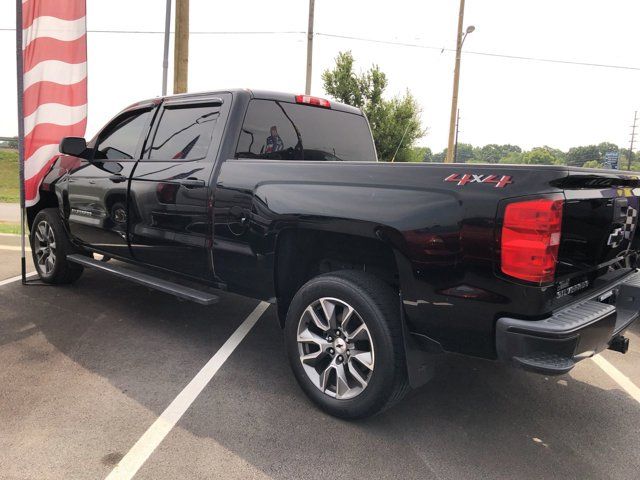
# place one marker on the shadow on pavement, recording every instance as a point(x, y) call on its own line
point(474, 420)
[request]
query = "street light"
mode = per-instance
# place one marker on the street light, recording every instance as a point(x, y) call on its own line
point(456, 82)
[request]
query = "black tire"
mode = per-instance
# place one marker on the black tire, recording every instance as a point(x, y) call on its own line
point(377, 305)
point(60, 270)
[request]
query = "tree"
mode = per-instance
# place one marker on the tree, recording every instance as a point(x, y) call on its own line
point(10, 143)
point(395, 123)
point(464, 153)
point(493, 153)
point(539, 156)
point(419, 154)
point(577, 156)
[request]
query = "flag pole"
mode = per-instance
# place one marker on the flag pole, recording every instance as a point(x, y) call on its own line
point(20, 83)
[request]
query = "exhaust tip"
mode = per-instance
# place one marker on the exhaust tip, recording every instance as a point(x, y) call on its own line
point(619, 343)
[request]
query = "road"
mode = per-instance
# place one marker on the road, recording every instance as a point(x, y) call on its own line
point(10, 212)
point(87, 369)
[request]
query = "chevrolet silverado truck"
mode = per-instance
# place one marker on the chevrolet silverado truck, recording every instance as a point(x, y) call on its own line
point(375, 267)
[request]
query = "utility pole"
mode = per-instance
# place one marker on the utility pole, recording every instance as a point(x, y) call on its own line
point(633, 137)
point(165, 56)
point(181, 48)
point(456, 82)
point(307, 88)
point(455, 150)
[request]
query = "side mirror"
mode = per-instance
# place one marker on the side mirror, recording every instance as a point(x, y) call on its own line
point(74, 146)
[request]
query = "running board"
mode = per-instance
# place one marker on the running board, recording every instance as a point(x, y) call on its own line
point(198, 296)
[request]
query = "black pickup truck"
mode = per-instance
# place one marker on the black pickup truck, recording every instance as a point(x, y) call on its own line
point(374, 267)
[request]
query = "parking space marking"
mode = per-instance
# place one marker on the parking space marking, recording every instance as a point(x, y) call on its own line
point(15, 279)
point(13, 248)
point(144, 447)
point(619, 377)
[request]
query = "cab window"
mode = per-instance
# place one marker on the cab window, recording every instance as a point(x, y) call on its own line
point(275, 130)
point(120, 140)
point(184, 132)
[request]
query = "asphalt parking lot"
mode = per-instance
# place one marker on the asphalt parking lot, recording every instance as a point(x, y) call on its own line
point(87, 369)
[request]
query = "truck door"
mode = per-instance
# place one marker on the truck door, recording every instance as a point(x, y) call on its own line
point(171, 215)
point(98, 189)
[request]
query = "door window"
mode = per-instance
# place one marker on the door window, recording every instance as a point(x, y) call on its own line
point(184, 133)
point(119, 141)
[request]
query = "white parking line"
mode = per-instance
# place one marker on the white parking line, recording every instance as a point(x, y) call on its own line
point(619, 377)
point(13, 248)
point(15, 279)
point(144, 447)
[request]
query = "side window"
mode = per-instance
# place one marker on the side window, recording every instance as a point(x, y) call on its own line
point(184, 133)
point(119, 141)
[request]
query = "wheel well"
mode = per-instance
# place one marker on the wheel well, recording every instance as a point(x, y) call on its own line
point(47, 200)
point(304, 254)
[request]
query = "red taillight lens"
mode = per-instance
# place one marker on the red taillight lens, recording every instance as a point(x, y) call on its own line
point(315, 101)
point(531, 239)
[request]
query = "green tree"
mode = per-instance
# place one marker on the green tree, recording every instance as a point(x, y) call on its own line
point(395, 123)
point(493, 153)
point(513, 158)
point(592, 164)
point(419, 154)
point(539, 156)
point(578, 156)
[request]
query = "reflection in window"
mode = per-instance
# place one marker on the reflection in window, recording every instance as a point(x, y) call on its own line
point(287, 131)
point(119, 140)
point(184, 133)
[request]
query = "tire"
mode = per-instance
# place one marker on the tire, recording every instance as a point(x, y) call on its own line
point(381, 366)
point(50, 246)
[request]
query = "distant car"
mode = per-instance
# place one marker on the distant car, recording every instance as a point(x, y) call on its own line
point(374, 267)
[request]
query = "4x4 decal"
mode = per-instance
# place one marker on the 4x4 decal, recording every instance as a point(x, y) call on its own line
point(461, 180)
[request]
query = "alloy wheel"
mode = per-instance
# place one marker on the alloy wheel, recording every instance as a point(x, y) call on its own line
point(335, 347)
point(45, 247)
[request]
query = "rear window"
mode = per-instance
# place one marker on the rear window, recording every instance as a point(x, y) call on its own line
point(286, 131)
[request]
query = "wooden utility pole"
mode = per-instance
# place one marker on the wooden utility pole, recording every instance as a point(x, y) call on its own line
point(307, 88)
point(456, 83)
point(633, 138)
point(181, 48)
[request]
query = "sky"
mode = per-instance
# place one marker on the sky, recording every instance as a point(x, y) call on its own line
point(502, 100)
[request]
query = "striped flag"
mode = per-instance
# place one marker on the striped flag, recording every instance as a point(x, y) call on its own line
point(54, 49)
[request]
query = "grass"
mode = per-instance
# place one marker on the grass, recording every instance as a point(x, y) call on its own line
point(10, 228)
point(9, 181)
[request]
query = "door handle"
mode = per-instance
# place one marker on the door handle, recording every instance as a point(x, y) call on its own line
point(117, 178)
point(192, 183)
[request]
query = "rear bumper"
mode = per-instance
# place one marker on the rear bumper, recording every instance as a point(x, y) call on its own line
point(554, 345)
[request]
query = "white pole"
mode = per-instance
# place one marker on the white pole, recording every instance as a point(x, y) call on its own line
point(20, 83)
point(165, 59)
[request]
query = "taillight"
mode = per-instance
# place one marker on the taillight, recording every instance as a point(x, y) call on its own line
point(531, 238)
point(315, 101)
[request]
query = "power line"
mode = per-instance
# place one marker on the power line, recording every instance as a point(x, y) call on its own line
point(383, 42)
point(487, 54)
point(156, 32)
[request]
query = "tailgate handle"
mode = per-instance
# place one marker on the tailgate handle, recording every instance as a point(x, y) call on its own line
point(192, 183)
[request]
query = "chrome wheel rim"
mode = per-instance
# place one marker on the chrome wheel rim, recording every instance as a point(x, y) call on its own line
point(44, 247)
point(335, 347)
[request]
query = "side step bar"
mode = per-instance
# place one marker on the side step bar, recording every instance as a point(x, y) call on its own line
point(203, 298)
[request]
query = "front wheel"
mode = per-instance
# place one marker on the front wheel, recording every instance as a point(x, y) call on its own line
point(50, 247)
point(344, 342)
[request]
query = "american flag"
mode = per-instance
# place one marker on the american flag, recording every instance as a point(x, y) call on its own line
point(54, 49)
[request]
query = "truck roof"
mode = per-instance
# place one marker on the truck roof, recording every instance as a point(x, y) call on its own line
point(259, 94)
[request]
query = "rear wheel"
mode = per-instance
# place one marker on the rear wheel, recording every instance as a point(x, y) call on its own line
point(50, 247)
point(344, 343)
